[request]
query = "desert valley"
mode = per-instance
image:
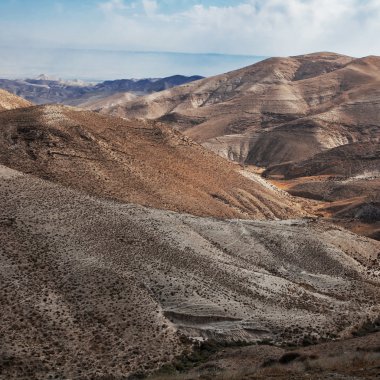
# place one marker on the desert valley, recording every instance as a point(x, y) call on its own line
point(193, 228)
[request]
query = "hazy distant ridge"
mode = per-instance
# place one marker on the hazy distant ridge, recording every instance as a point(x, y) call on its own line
point(45, 89)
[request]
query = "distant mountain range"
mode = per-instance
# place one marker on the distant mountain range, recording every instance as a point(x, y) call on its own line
point(45, 89)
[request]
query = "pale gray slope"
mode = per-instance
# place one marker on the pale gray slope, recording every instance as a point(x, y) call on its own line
point(92, 288)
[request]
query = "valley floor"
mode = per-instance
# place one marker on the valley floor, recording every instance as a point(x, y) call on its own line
point(351, 359)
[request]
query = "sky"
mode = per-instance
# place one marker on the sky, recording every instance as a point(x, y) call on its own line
point(237, 30)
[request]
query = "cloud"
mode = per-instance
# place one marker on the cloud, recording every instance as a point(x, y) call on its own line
point(150, 6)
point(113, 5)
point(263, 27)
point(247, 27)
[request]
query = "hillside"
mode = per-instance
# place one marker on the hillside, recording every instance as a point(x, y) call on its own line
point(278, 110)
point(355, 159)
point(9, 101)
point(93, 288)
point(139, 162)
point(347, 178)
point(127, 246)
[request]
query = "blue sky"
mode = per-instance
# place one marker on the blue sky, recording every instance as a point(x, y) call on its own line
point(240, 27)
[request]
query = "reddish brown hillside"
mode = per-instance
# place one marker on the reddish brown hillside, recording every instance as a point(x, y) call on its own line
point(140, 162)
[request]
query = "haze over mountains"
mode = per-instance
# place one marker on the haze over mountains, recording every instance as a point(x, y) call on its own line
point(45, 89)
point(106, 64)
point(125, 243)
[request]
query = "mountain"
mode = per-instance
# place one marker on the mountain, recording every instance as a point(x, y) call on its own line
point(278, 110)
point(45, 89)
point(314, 116)
point(9, 101)
point(139, 162)
point(96, 288)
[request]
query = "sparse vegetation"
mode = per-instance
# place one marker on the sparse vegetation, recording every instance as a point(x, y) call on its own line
point(96, 285)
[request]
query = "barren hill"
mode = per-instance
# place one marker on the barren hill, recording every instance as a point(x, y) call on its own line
point(92, 288)
point(278, 110)
point(140, 162)
point(9, 101)
point(124, 243)
point(315, 116)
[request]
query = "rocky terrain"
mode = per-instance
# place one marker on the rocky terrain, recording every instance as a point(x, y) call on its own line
point(44, 89)
point(354, 358)
point(347, 178)
point(93, 288)
point(360, 159)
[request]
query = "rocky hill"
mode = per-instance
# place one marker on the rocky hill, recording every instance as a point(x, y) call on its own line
point(355, 159)
point(127, 246)
point(347, 178)
point(311, 120)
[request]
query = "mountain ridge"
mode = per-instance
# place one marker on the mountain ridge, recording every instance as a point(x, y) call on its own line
point(239, 113)
point(9, 101)
point(47, 90)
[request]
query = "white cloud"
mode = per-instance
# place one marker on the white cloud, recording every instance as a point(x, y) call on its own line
point(263, 27)
point(112, 5)
point(251, 27)
point(150, 6)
